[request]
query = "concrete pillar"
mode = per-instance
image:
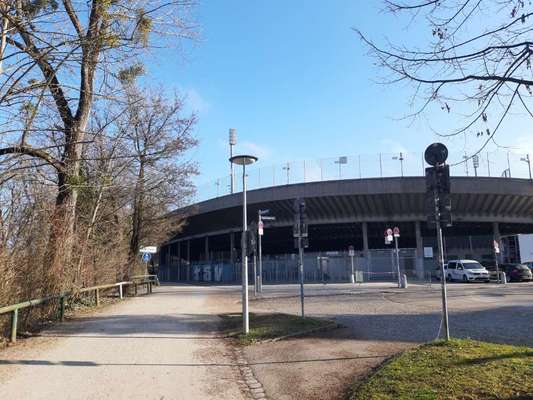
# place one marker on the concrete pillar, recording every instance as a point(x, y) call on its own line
point(366, 252)
point(180, 267)
point(419, 251)
point(189, 260)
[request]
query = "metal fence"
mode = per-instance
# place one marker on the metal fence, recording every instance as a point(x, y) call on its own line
point(319, 267)
point(502, 164)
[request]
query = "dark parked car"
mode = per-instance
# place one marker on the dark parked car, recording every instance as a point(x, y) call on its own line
point(517, 272)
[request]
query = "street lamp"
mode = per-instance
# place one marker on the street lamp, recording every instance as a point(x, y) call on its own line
point(287, 168)
point(528, 161)
point(475, 161)
point(401, 161)
point(244, 160)
point(340, 161)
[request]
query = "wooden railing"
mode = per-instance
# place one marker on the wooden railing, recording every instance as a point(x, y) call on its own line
point(136, 281)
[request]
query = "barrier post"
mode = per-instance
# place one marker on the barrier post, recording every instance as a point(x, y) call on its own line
point(120, 291)
point(97, 297)
point(14, 322)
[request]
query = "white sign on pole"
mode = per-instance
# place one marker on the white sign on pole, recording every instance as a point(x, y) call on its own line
point(396, 231)
point(496, 247)
point(351, 251)
point(428, 252)
point(260, 228)
point(148, 249)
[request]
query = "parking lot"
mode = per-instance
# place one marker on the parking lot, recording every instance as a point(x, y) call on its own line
point(378, 321)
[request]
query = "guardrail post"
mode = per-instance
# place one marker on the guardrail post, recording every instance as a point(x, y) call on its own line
point(135, 289)
point(14, 322)
point(97, 297)
point(62, 308)
point(120, 291)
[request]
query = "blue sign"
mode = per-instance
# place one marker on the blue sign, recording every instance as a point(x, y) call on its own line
point(147, 257)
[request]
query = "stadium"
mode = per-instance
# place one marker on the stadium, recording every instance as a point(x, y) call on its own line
point(351, 211)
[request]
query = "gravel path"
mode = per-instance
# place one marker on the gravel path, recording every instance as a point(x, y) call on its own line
point(160, 347)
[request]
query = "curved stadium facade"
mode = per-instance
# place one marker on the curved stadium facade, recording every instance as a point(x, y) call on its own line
point(343, 213)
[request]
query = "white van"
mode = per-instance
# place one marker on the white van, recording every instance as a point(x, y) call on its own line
point(466, 271)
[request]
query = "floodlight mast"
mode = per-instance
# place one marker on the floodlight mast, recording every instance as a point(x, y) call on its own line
point(232, 142)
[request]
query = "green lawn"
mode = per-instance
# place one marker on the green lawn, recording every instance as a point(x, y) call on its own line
point(270, 326)
point(459, 369)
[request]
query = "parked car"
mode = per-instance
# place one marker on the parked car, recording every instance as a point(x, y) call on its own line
point(466, 271)
point(517, 272)
point(528, 264)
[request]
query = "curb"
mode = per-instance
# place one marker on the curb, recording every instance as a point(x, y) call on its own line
point(324, 328)
point(249, 383)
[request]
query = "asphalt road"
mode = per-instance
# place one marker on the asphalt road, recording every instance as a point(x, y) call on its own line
point(160, 347)
point(379, 320)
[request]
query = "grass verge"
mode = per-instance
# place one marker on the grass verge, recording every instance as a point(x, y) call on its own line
point(271, 326)
point(459, 369)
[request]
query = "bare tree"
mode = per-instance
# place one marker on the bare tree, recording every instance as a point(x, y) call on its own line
point(158, 137)
point(56, 58)
point(475, 59)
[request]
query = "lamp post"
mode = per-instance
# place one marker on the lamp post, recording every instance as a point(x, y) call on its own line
point(340, 161)
point(528, 161)
point(232, 142)
point(244, 160)
point(287, 168)
point(475, 161)
point(400, 157)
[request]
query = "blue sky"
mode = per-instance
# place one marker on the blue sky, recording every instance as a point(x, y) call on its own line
point(295, 81)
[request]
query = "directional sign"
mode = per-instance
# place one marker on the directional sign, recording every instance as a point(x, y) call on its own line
point(147, 257)
point(148, 249)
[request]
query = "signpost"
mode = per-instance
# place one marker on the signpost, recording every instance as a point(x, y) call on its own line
point(351, 253)
point(496, 246)
point(261, 216)
point(146, 254)
point(390, 236)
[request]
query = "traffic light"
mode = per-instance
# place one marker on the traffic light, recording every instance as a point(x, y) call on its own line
point(251, 239)
point(438, 189)
point(300, 230)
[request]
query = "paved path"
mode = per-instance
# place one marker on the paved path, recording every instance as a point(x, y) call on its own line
point(160, 347)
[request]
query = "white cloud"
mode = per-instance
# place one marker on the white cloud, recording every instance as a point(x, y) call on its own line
point(195, 101)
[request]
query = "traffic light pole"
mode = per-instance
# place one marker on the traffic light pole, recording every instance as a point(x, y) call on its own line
point(301, 252)
point(442, 272)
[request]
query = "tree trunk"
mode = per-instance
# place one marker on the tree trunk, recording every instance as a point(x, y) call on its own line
point(137, 218)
